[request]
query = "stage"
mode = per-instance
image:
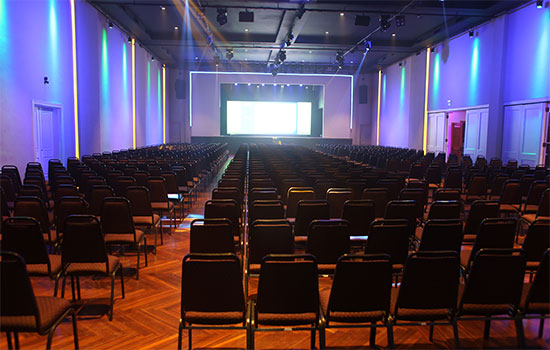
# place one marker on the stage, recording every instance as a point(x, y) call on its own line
point(233, 142)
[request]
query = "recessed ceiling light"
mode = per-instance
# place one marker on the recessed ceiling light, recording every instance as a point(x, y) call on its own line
point(309, 51)
point(258, 86)
point(263, 84)
point(307, 87)
point(236, 84)
point(248, 84)
point(287, 84)
point(392, 34)
point(176, 28)
point(303, 60)
point(301, 85)
point(246, 59)
point(246, 29)
point(326, 33)
point(350, 61)
point(274, 84)
point(163, 8)
point(245, 50)
point(341, 13)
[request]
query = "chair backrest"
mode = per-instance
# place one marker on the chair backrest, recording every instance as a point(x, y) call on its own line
point(83, 241)
point(447, 194)
point(269, 237)
point(479, 211)
point(294, 195)
point(360, 213)
point(361, 283)
point(141, 177)
point(23, 236)
point(6, 183)
point(32, 191)
point(116, 216)
point(336, 197)
point(171, 181)
point(307, 211)
point(498, 184)
point(13, 173)
point(544, 205)
point(328, 240)
point(65, 190)
point(380, 198)
point(139, 200)
point(357, 186)
point(540, 288)
point(433, 174)
point(122, 184)
point(495, 233)
point(265, 209)
point(68, 206)
point(511, 192)
point(204, 276)
point(286, 184)
point(224, 208)
point(4, 208)
point(288, 284)
point(16, 292)
point(262, 193)
point(420, 290)
point(444, 210)
point(535, 192)
point(537, 239)
point(95, 198)
point(157, 189)
point(420, 197)
point(389, 237)
point(35, 208)
point(496, 277)
point(394, 186)
point(477, 186)
point(453, 178)
point(403, 209)
point(211, 236)
point(228, 193)
point(442, 234)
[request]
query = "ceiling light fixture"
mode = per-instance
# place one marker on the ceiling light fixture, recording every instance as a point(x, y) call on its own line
point(129, 39)
point(289, 39)
point(217, 60)
point(326, 33)
point(246, 29)
point(152, 58)
point(393, 34)
point(340, 59)
point(399, 21)
point(111, 25)
point(471, 34)
point(539, 4)
point(221, 18)
point(341, 14)
point(384, 22)
point(163, 8)
point(368, 46)
point(282, 56)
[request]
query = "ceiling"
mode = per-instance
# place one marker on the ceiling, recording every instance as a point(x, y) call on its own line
point(319, 28)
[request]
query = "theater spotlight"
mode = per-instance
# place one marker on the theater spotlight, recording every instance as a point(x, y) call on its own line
point(282, 56)
point(274, 70)
point(340, 59)
point(539, 4)
point(111, 25)
point(368, 45)
point(289, 39)
point(222, 16)
point(471, 34)
point(229, 54)
point(384, 22)
point(129, 39)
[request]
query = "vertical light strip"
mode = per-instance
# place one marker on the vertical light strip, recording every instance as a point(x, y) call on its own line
point(134, 93)
point(163, 103)
point(75, 81)
point(378, 108)
point(425, 132)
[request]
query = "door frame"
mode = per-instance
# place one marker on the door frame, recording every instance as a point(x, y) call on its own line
point(57, 110)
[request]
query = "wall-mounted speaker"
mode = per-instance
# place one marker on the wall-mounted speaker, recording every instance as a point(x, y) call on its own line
point(363, 94)
point(180, 89)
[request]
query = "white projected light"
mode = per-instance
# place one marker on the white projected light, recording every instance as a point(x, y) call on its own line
point(268, 118)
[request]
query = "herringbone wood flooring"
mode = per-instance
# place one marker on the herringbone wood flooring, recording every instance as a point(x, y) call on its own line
point(148, 317)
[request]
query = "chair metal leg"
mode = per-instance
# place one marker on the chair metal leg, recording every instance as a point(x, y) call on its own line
point(312, 345)
point(75, 331)
point(455, 331)
point(122, 281)
point(50, 336)
point(138, 256)
point(180, 330)
point(390, 335)
point(432, 332)
point(63, 287)
point(112, 297)
point(72, 288)
point(541, 327)
point(145, 250)
point(78, 287)
point(519, 332)
point(8, 338)
point(487, 329)
point(16, 338)
point(56, 284)
point(189, 335)
point(322, 338)
point(372, 340)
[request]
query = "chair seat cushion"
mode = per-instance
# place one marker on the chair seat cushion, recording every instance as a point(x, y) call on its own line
point(115, 238)
point(146, 220)
point(348, 316)
point(93, 267)
point(531, 208)
point(408, 314)
point(465, 255)
point(469, 238)
point(276, 319)
point(162, 205)
point(42, 269)
point(49, 309)
point(485, 309)
point(510, 207)
point(197, 317)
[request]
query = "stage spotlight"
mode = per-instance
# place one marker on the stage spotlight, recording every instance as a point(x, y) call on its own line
point(222, 16)
point(229, 54)
point(274, 70)
point(340, 59)
point(362, 21)
point(245, 16)
point(217, 60)
point(152, 58)
point(111, 25)
point(471, 34)
point(129, 39)
point(282, 56)
point(384, 22)
point(368, 45)
point(399, 21)
point(539, 4)
point(289, 39)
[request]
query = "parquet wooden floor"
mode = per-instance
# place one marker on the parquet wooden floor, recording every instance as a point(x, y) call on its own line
point(148, 317)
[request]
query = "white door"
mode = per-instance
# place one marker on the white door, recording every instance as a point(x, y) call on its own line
point(436, 132)
point(522, 133)
point(475, 138)
point(46, 137)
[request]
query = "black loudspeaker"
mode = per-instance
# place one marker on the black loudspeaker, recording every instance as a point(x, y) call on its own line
point(180, 89)
point(363, 94)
